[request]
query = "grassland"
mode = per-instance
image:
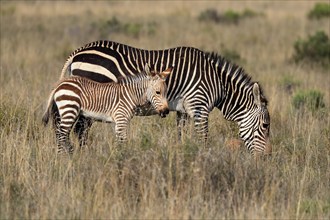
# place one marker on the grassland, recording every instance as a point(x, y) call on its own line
point(153, 176)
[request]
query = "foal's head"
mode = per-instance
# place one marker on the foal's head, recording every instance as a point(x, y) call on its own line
point(157, 89)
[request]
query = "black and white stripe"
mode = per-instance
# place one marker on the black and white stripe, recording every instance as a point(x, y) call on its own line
point(108, 102)
point(199, 82)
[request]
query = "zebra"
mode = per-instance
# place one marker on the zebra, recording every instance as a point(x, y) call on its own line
point(109, 102)
point(199, 82)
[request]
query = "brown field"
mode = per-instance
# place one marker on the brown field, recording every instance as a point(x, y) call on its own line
point(153, 176)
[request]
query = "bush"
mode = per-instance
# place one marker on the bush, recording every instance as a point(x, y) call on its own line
point(133, 29)
point(312, 100)
point(230, 16)
point(319, 11)
point(316, 48)
point(209, 15)
point(248, 13)
point(113, 24)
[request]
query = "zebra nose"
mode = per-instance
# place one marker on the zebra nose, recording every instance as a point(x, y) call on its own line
point(164, 112)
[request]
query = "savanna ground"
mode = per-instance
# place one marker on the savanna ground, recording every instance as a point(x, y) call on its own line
point(153, 176)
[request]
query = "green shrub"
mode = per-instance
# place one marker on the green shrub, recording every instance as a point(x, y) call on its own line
point(230, 16)
point(316, 48)
point(114, 24)
point(319, 11)
point(133, 29)
point(209, 15)
point(248, 13)
point(312, 100)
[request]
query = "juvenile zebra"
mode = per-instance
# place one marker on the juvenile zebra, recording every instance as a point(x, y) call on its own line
point(108, 102)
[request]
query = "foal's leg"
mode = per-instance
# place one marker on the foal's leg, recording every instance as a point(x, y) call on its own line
point(121, 124)
point(67, 120)
point(81, 129)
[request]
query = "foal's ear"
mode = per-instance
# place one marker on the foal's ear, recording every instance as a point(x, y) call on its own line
point(147, 70)
point(166, 73)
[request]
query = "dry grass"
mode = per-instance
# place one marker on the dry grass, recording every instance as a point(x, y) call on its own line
point(154, 177)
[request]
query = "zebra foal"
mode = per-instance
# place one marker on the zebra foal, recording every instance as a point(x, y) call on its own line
point(109, 102)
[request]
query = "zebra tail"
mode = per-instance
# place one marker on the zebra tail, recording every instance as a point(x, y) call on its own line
point(49, 108)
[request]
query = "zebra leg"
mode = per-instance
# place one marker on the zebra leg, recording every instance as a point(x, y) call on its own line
point(181, 120)
point(201, 126)
point(121, 130)
point(63, 141)
point(63, 133)
point(81, 129)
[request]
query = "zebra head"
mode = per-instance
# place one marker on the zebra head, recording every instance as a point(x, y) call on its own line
point(157, 89)
point(255, 125)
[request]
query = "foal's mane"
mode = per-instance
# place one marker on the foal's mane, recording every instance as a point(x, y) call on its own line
point(132, 78)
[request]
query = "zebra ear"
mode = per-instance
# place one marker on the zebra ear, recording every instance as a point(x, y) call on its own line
point(256, 94)
point(166, 73)
point(147, 70)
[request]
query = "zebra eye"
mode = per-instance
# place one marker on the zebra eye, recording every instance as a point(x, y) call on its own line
point(265, 125)
point(158, 92)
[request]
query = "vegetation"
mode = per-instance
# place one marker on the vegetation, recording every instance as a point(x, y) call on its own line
point(153, 176)
point(289, 83)
point(315, 49)
point(133, 29)
point(320, 10)
point(312, 100)
point(229, 16)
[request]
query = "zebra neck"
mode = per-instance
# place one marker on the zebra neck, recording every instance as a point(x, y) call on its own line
point(235, 97)
point(136, 90)
point(236, 104)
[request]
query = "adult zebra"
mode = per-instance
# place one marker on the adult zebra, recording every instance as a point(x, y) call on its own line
point(199, 82)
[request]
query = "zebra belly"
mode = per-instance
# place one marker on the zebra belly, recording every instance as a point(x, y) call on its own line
point(177, 105)
point(98, 116)
point(180, 105)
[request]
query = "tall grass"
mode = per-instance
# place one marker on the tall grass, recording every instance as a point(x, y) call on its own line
point(153, 176)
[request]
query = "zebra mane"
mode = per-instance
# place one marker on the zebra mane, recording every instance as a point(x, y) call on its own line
point(233, 72)
point(132, 78)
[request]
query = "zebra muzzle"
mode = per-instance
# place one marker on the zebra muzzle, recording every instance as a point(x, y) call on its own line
point(164, 112)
